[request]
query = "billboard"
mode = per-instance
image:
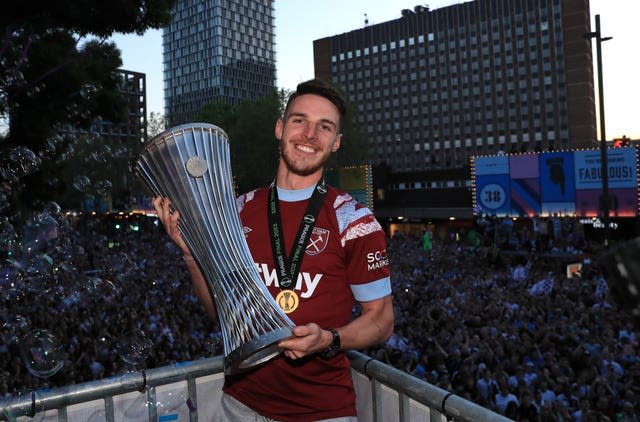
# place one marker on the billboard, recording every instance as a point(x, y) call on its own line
point(357, 181)
point(555, 182)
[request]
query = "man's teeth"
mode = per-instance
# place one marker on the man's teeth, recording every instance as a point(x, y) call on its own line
point(305, 148)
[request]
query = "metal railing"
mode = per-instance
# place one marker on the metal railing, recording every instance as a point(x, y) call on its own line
point(189, 392)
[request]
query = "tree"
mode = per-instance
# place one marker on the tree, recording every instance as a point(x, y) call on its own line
point(157, 123)
point(250, 127)
point(255, 150)
point(58, 71)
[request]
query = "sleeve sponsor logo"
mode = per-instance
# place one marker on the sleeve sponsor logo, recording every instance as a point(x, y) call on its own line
point(377, 259)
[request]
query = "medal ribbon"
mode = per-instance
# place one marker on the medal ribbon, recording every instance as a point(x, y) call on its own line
point(289, 267)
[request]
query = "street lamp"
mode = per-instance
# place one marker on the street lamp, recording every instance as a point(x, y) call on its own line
point(604, 200)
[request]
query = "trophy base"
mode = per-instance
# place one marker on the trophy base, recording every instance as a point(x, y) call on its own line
point(255, 352)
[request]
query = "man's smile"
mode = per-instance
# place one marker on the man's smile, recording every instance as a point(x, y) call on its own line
point(305, 148)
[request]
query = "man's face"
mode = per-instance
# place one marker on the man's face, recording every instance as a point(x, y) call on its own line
point(308, 134)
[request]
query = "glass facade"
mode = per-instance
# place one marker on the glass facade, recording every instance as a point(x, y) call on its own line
point(217, 50)
point(484, 77)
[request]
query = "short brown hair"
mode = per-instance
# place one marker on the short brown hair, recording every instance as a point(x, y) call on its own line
point(322, 89)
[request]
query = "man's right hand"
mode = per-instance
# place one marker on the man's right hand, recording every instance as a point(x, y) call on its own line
point(170, 221)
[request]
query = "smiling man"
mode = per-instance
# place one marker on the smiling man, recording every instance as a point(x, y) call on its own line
point(316, 275)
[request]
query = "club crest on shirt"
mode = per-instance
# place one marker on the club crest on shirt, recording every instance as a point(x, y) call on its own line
point(246, 230)
point(318, 241)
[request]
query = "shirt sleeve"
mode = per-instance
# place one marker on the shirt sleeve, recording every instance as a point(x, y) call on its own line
point(365, 245)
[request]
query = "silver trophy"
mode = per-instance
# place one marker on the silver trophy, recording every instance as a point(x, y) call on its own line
point(190, 165)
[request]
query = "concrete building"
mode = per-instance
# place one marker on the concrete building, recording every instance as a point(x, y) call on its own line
point(217, 50)
point(133, 87)
point(435, 87)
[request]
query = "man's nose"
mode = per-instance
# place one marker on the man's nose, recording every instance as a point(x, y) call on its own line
point(310, 130)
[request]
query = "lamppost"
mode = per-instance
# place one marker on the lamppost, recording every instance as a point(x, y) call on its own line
point(604, 168)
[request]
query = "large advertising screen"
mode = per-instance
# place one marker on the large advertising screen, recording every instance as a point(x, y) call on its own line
point(555, 182)
point(357, 181)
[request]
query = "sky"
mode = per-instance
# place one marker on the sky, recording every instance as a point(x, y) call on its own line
point(299, 23)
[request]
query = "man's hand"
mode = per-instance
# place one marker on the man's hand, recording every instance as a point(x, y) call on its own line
point(170, 221)
point(306, 340)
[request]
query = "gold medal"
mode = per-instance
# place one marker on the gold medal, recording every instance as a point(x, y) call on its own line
point(288, 300)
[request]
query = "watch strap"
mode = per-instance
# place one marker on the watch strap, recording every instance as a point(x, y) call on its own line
point(334, 347)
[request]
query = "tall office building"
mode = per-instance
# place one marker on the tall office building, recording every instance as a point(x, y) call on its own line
point(217, 50)
point(435, 87)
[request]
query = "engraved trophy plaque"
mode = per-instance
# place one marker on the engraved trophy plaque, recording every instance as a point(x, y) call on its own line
point(190, 165)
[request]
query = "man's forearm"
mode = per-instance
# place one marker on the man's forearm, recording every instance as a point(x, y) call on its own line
point(373, 326)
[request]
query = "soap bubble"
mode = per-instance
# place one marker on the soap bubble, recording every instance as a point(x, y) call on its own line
point(12, 294)
point(33, 410)
point(120, 152)
point(122, 267)
point(4, 202)
point(39, 232)
point(138, 409)
point(97, 157)
point(22, 161)
point(105, 150)
point(100, 288)
point(40, 264)
point(8, 275)
point(52, 209)
point(54, 141)
point(88, 90)
point(81, 183)
point(103, 186)
point(99, 415)
point(7, 233)
point(41, 353)
point(34, 91)
point(14, 329)
point(169, 401)
point(134, 347)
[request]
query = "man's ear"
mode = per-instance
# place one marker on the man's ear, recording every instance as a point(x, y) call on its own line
point(336, 144)
point(279, 129)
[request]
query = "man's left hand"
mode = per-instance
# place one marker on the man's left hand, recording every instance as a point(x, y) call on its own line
point(305, 340)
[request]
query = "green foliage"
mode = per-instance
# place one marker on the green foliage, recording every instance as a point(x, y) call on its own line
point(96, 17)
point(219, 113)
point(156, 124)
point(57, 71)
point(67, 87)
point(250, 127)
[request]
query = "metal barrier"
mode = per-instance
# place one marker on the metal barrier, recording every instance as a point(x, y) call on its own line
point(190, 392)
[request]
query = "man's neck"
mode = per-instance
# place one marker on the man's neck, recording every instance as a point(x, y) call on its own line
point(288, 180)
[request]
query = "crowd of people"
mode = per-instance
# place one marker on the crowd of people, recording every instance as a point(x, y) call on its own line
point(468, 317)
point(114, 304)
point(510, 330)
